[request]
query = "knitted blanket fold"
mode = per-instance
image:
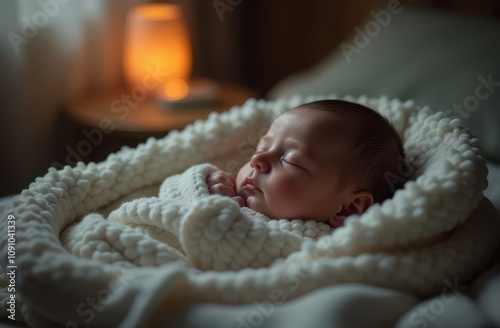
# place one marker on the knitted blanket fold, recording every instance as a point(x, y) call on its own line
point(184, 246)
point(232, 239)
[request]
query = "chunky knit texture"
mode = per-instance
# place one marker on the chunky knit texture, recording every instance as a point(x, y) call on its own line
point(429, 231)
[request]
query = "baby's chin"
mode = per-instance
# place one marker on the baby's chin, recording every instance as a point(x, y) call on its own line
point(256, 204)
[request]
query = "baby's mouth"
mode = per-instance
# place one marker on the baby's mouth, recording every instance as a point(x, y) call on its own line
point(250, 184)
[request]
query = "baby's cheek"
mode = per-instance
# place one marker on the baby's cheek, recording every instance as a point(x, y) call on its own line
point(242, 175)
point(288, 192)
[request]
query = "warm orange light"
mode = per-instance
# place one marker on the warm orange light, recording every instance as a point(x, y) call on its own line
point(176, 89)
point(157, 46)
point(157, 12)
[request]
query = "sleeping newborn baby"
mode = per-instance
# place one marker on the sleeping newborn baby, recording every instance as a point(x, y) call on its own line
point(317, 164)
point(321, 161)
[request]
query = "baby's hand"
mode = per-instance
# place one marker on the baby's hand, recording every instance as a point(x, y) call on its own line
point(223, 183)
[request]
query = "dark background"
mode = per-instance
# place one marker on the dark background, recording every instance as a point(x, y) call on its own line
point(255, 44)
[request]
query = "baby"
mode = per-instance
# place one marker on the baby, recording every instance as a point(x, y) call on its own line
point(321, 161)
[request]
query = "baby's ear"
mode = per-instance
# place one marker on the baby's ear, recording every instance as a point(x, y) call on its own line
point(357, 203)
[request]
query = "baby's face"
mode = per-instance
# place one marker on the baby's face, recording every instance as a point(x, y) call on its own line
point(296, 169)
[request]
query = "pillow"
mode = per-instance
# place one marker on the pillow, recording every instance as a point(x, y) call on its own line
point(449, 62)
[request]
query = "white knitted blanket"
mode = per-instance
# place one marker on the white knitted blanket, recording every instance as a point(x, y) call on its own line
point(244, 238)
point(75, 264)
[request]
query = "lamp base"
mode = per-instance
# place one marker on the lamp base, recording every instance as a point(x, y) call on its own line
point(202, 93)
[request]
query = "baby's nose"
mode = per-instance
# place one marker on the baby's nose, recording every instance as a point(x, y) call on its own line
point(260, 163)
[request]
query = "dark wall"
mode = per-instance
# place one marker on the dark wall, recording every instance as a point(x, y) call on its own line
point(257, 43)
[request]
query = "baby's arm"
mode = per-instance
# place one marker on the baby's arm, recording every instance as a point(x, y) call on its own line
point(223, 183)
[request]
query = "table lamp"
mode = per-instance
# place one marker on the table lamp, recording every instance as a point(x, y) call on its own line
point(157, 40)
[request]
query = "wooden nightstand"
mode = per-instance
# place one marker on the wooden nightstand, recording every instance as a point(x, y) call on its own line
point(117, 107)
point(102, 123)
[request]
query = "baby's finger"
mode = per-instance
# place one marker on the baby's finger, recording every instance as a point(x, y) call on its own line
point(222, 189)
point(240, 201)
point(220, 177)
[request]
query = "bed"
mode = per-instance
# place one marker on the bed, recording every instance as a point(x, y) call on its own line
point(456, 302)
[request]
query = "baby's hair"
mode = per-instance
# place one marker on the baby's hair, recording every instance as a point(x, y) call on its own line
point(377, 153)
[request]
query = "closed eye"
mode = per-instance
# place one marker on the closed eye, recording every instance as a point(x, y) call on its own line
point(288, 163)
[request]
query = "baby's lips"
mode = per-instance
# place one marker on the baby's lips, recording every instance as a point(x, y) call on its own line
point(249, 181)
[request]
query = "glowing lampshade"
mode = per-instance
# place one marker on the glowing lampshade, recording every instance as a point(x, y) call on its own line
point(157, 50)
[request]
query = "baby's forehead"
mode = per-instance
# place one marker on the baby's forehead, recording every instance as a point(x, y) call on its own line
point(311, 125)
point(308, 118)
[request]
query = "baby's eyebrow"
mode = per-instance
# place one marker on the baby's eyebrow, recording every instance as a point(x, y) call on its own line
point(296, 144)
point(302, 147)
